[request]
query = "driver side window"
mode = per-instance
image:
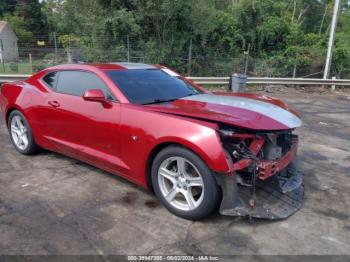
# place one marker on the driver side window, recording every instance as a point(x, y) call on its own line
point(77, 82)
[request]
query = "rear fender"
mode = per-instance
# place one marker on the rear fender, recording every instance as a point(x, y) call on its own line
point(8, 99)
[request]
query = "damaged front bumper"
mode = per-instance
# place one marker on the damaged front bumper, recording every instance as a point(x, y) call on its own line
point(275, 198)
point(276, 193)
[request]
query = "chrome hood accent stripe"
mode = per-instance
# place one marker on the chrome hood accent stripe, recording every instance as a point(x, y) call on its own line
point(275, 112)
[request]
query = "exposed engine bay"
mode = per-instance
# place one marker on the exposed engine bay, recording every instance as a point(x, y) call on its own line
point(266, 182)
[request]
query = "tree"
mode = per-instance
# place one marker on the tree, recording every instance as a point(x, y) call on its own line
point(341, 55)
point(286, 37)
point(26, 19)
point(7, 6)
point(18, 24)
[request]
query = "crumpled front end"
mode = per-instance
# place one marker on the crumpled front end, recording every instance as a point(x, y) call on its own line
point(266, 182)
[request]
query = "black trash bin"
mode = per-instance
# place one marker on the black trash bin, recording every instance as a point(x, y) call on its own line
point(238, 82)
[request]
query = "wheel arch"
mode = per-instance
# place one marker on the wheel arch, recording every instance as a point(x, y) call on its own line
point(159, 147)
point(17, 108)
point(154, 152)
point(9, 111)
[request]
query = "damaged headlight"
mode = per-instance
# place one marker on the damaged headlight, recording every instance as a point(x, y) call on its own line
point(237, 144)
point(226, 132)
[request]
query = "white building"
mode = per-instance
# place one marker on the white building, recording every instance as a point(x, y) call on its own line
point(8, 43)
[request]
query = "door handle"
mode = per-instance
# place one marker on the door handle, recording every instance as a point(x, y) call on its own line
point(54, 103)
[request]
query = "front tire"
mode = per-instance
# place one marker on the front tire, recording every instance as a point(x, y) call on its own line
point(21, 133)
point(184, 184)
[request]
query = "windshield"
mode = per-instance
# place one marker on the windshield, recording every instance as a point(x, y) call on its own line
point(147, 86)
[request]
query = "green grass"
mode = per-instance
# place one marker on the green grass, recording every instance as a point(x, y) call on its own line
point(23, 68)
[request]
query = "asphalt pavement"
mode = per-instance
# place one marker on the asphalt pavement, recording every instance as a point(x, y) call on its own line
point(51, 204)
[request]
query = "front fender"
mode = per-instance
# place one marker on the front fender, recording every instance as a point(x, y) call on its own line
point(206, 144)
point(143, 132)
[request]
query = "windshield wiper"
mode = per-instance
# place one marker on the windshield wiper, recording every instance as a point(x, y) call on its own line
point(158, 101)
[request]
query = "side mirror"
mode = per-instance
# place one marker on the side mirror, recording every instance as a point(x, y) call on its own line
point(94, 95)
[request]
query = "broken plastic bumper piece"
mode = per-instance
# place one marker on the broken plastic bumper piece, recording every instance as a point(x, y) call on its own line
point(277, 197)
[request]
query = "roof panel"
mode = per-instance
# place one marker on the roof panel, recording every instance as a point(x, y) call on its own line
point(2, 25)
point(135, 65)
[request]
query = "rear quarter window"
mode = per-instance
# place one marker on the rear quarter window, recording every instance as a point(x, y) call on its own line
point(51, 80)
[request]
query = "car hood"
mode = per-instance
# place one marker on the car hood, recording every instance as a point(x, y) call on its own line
point(249, 111)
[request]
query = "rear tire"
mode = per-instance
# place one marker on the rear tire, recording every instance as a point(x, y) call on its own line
point(21, 134)
point(184, 184)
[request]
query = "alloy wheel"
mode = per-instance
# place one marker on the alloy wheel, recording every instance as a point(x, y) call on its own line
point(19, 132)
point(181, 183)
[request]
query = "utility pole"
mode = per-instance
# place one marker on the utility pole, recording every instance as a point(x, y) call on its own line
point(189, 58)
point(55, 44)
point(331, 40)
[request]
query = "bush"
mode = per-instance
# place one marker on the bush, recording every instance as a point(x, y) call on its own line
point(38, 66)
point(14, 66)
point(49, 59)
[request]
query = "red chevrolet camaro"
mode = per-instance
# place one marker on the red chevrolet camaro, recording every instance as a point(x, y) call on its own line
point(197, 150)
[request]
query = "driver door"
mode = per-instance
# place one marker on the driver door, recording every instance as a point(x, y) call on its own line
point(86, 130)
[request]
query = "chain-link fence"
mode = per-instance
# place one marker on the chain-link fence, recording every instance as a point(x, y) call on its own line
point(47, 51)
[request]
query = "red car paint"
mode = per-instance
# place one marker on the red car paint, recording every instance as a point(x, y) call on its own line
point(122, 138)
point(255, 147)
point(269, 168)
point(220, 113)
